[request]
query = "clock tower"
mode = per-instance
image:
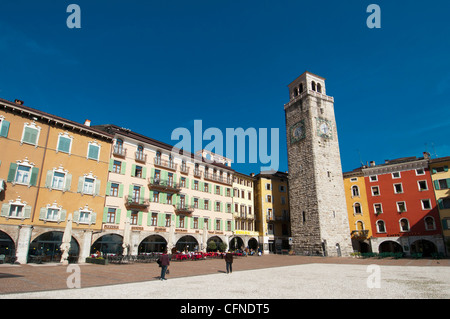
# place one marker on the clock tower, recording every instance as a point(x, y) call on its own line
point(319, 221)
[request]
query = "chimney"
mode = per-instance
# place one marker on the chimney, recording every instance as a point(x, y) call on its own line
point(19, 102)
point(372, 163)
point(87, 122)
point(426, 155)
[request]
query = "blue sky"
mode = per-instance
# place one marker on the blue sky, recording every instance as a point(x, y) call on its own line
point(153, 66)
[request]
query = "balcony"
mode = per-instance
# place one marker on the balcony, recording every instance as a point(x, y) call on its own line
point(165, 164)
point(184, 169)
point(119, 151)
point(163, 185)
point(140, 157)
point(219, 179)
point(184, 208)
point(360, 234)
point(136, 202)
point(197, 173)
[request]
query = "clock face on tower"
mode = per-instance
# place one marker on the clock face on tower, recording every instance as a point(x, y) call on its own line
point(297, 132)
point(324, 128)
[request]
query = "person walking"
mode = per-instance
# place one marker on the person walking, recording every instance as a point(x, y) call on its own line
point(229, 262)
point(164, 263)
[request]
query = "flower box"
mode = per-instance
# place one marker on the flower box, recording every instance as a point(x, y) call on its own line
point(98, 261)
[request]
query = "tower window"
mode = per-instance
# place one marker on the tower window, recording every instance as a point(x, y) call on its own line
point(301, 87)
point(295, 92)
point(319, 88)
point(313, 85)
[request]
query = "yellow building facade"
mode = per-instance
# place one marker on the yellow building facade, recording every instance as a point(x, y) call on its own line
point(272, 211)
point(51, 168)
point(440, 175)
point(358, 210)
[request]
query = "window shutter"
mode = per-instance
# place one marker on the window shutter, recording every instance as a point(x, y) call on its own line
point(123, 168)
point(441, 203)
point(5, 210)
point(97, 187)
point(118, 213)
point(105, 214)
point(76, 216)
point(27, 212)
point(144, 172)
point(142, 194)
point(63, 214)
point(108, 188)
point(68, 182)
point(80, 184)
point(49, 179)
point(140, 215)
point(64, 144)
point(120, 190)
point(111, 164)
point(436, 184)
point(34, 176)
point(133, 170)
point(4, 129)
point(12, 172)
point(445, 224)
point(43, 213)
point(445, 168)
point(161, 219)
point(93, 218)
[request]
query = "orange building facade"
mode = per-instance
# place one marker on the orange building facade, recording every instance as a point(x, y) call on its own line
point(51, 168)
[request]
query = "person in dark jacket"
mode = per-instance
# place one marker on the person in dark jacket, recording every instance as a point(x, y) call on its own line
point(164, 263)
point(229, 261)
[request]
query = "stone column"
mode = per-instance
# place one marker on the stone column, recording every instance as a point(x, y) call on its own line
point(23, 243)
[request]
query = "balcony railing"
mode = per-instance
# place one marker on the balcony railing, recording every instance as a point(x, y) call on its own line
point(197, 173)
point(220, 179)
point(166, 164)
point(136, 202)
point(161, 184)
point(359, 233)
point(184, 208)
point(140, 157)
point(119, 151)
point(184, 169)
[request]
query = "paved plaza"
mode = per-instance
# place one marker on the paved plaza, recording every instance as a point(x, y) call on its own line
point(266, 277)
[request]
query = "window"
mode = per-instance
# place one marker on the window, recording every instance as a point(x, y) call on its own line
point(114, 190)
point(58, 180)
point(228, 192)
point(169, 199)
point(156, 197)
point(134, 217)
point(373, 178)
point(181, 221)
point(195, 202)
point(217, 207)
point(168, 220)
point(206, 204)
point(228, 208)
point(398, 188)
point(16, 210)
point(136, 194)
point(378, 209)
point(117, 167)
point(404, 225)
point(93, 151)
point(420, 171)
point(88, 186)
point(183, 182)
point(64, 143)
point(375, 191)
point(195, 223)
point(269, 214)
point(357, 208)
point(283, 200)
point(52, 214)
point(30, 134)
point(282, 189)
point(228, 225)
point(196, 185)
point(154, 220)
point(268, 186)
point(218, 222)
point(138, 171)
point(422, 185)
point(111, 215)
point(23, 174)
point(381, 227)
point(206, 223)
point(269, 199)
point(429, 223)
point(170, 179)
point(401, 207)
point(426, 204)
point(444, 203)
point(355, 191)
point(442, 183)
point(206, 187)
point(396, 175)
point(217, 190)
